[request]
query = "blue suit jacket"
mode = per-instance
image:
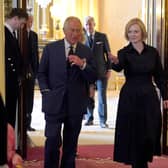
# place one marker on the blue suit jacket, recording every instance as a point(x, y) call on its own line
point(100, 50)
point(53, 75)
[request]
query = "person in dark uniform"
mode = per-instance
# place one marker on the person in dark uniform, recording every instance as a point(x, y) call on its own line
point(139, 121)
point(31, 65)
point(3, 133)
point(14, 20)
point(65, 69)
point(100, 47)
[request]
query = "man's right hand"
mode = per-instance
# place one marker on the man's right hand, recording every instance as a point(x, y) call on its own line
point(113, 58)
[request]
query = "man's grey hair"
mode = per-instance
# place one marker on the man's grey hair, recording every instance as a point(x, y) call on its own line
point(70, 18)
point(88, 18)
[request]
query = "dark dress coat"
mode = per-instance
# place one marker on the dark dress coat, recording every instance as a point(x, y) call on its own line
point(31, 68)
point(12, 74)
point(33, 59)
point(100, 50)
point(138, 124)
point(3, 133)
point(72, 84)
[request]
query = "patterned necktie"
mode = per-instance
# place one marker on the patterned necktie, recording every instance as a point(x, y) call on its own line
point(14, 34)
point(70, 53)
point(91, 40)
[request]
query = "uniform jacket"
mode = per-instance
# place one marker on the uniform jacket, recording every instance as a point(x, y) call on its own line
point(12, 60)
point(13, 73)
point(100, 50)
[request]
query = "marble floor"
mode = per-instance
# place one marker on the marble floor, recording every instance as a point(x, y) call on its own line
point(89, 134)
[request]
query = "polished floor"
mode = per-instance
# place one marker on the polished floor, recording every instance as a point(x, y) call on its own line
point(89, 134)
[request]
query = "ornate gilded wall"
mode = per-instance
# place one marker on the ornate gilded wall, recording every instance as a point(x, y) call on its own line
point(2, 84)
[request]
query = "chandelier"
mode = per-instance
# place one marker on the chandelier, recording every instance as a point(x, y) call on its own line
point(43, 3)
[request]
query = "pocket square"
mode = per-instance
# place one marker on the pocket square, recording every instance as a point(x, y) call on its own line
point(99, 42)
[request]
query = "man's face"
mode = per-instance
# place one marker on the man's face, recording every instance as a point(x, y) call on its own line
point(29, 22)
point(19, 22)
point(90, 24)
point(73, 31)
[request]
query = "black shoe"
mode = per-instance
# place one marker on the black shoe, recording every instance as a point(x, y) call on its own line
point(31, 129)
point(89, 123)
point(103, 125)
point(140, 165)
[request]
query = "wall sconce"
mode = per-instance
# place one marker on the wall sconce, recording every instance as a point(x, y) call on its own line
point(57, 24)
point(44, 28)
point(56, 13)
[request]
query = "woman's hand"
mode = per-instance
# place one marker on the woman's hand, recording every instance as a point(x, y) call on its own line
point(113, 58)
point(108, 74)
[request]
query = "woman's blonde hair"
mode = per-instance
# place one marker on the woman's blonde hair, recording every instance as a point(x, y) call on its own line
point(140, 24)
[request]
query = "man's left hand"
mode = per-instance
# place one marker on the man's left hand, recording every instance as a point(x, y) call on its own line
point(75, 60)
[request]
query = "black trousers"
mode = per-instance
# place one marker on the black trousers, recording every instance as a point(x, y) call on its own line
point(68, 141)
point(3, 133)
point(29, 99)
point(12, 95)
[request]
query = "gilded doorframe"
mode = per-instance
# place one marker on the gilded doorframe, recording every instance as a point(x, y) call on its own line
point(165, 112)
point(156, 19)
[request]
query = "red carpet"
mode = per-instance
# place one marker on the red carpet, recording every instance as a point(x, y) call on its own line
point(90, 156)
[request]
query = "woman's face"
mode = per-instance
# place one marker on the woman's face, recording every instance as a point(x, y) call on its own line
point(134, 33)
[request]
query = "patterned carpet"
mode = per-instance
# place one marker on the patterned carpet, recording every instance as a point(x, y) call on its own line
point(90, 156)
point(95, 144)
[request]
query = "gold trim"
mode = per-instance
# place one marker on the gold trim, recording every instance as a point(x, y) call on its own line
point(2, 60)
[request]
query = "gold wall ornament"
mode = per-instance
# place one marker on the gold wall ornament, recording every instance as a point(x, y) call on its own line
point(57, 17)
point(43, 3)
point(2, 50)
point(43, 27)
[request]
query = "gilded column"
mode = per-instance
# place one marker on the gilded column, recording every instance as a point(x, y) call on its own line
point(2, 58)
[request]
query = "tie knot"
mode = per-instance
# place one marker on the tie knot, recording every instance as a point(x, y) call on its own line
point(71, 50)
point(71, 47)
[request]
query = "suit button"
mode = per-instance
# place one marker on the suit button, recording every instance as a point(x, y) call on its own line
point(11, 64)
point(9, 59)
point(13, 70)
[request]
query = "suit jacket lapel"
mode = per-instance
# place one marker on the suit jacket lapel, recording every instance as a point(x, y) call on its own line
point(63, 48)
point(77, 51)
point(95, 37)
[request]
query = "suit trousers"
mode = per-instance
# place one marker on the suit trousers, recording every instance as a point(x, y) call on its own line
point(101, 85)
point(29, 98)
point(102, 99)
point(71, 130)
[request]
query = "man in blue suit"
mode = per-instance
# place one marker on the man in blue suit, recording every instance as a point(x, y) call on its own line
point(98, 42)
point(65, 69)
